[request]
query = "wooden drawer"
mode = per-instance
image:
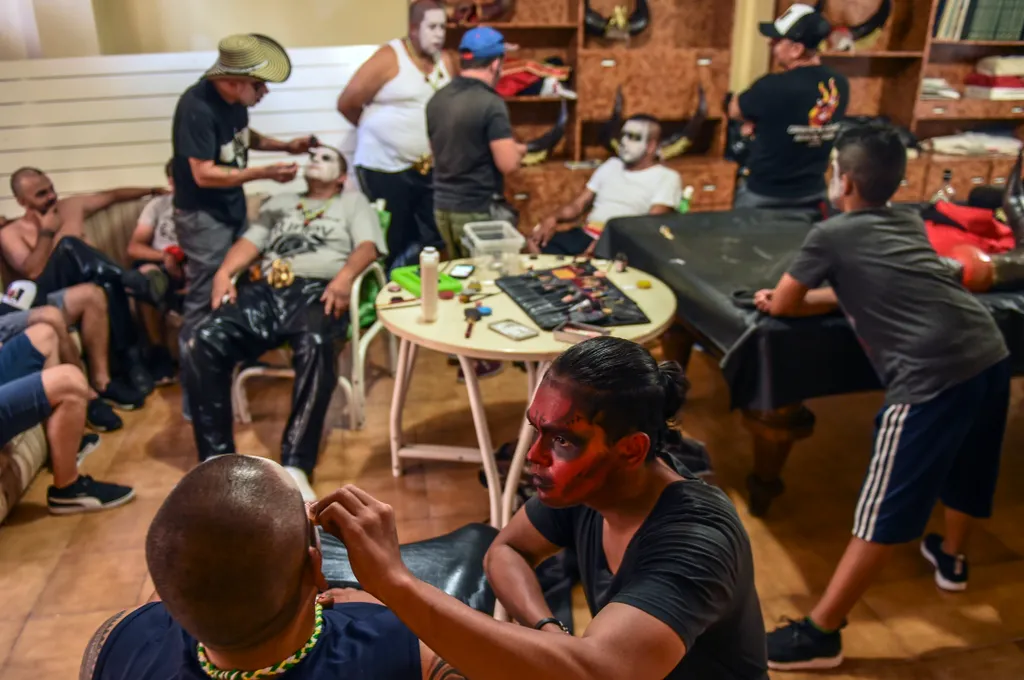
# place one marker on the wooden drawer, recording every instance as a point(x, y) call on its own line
point(1001, 168)
point(539, 191)
point(912, 186)
point(661, 82)
point(967, 174)
point(713, 182)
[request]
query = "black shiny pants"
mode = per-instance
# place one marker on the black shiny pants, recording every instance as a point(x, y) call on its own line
point(261, 319)
point(73, 262)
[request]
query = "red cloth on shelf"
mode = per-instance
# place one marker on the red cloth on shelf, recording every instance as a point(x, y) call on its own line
point(983, 80)
point(980, 229)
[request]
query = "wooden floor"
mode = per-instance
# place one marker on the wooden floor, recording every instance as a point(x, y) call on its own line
point(61, 577)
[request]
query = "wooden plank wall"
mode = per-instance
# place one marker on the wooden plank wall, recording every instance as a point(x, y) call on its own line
point(96, 123)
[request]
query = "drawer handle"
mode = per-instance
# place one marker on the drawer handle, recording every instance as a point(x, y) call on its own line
point(904, 183)
point(523, 196)
point(977, 180)
point(1017, 109)
point(939, 110)
point(709, 187)
point(999, 180)
point(704, 61)
point(608, 63)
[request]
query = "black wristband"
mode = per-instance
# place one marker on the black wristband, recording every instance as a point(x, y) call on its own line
point(551, 619)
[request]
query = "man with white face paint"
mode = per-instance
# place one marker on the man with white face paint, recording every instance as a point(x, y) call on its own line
point(634, 183)
point(309, 248)
point(386, 100)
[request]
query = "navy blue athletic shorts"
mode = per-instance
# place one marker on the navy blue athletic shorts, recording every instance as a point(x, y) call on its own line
point(23, 402)
point(946, 448)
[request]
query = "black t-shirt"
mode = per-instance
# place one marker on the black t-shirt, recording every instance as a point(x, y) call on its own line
point(689, 565)
point(796, 116)
point(209, 129)
point(463, 118)
point(364, 641)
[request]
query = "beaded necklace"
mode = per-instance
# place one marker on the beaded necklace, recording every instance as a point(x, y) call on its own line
point(277, 669)
point(310, 215)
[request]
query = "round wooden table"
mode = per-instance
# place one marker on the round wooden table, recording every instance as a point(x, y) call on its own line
point(448, 335)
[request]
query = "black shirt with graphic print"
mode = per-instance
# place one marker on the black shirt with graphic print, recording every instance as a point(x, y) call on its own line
point(207, 128)
point(796, 118)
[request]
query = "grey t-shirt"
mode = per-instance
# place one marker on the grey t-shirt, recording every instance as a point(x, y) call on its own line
point(922, 330)
point(463, 118)
point(319, 249)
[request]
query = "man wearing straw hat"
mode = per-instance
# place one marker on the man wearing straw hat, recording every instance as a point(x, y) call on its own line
point(212, 139)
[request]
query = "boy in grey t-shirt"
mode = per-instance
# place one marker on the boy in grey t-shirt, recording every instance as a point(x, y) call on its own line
point(943, 361)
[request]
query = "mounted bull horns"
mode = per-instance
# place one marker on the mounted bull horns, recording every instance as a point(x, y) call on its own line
point(610, 130)
point(675, 145)
point(873, 23)
point(679, 143)
point(618, 24)
point(538, 149)
point(1013, 201)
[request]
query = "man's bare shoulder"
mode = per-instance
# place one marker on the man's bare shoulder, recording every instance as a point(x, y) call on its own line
point(17, 228)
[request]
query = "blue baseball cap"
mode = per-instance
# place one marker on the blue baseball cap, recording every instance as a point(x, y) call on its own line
point(482, 42)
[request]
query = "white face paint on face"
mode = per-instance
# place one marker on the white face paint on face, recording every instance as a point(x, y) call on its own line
point(633, 141)
point(432, 31)
point(324, 165)
point(835, 186)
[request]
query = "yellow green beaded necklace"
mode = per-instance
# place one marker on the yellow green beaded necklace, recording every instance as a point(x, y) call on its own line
point(277, 669)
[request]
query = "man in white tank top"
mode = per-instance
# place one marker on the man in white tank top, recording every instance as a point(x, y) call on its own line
point(386, 101)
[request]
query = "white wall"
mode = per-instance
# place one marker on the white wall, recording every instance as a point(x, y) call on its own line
point(95, 123)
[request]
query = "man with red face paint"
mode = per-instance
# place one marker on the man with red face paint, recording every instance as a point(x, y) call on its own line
point(665, 562)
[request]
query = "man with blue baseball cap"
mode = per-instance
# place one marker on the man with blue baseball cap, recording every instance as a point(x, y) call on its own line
point(471, 138)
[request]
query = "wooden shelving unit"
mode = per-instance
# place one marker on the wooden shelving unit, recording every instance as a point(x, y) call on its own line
point(688, 42)
point(886, 79)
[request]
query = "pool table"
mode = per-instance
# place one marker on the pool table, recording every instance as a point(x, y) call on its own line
point(714, 261)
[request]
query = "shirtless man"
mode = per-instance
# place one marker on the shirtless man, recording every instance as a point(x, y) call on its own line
point(386, 101)
point(48, 245)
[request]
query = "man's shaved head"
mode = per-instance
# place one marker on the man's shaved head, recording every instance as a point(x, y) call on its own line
point(33, 189)
point(418, 9)
point(20, 176)
point(228, 549)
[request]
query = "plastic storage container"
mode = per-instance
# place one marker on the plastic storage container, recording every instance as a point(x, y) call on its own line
point(494, 246)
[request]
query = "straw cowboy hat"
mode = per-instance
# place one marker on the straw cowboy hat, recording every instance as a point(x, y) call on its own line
point(252, 55)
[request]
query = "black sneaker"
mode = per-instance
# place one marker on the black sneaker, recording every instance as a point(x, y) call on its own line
point(950, 570)
point(89, 443)
point(122, 396)
point(100, 417)
point(87, 495)
point(161, 367)
point(799, 645)
point(140, 378)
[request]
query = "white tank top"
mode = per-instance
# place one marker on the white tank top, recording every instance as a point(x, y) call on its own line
point(392, 132)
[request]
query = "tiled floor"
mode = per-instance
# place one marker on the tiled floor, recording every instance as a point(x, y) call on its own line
point(61, 577)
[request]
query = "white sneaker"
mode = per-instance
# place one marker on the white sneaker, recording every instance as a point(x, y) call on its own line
point(302, 481)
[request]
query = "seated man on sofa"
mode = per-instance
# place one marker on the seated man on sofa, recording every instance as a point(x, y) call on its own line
point(312, 247)
point(36, 388)
point(103, 390)
point(634, 183)
point(239, 580)
point(48, 246)
point(154, 247)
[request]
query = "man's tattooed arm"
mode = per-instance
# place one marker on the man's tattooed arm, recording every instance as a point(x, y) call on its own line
point(442, 670)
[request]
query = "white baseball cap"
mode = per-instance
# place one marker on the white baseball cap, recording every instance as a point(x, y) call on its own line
point(800, 24)
point(20, 295)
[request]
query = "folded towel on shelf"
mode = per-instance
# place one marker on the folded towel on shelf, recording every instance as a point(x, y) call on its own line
point(1001, 66)
point(973, 144)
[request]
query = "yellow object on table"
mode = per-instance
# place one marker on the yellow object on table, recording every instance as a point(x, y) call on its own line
point(643, 284)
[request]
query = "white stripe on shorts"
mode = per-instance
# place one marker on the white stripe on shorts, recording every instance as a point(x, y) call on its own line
point(887, 442)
